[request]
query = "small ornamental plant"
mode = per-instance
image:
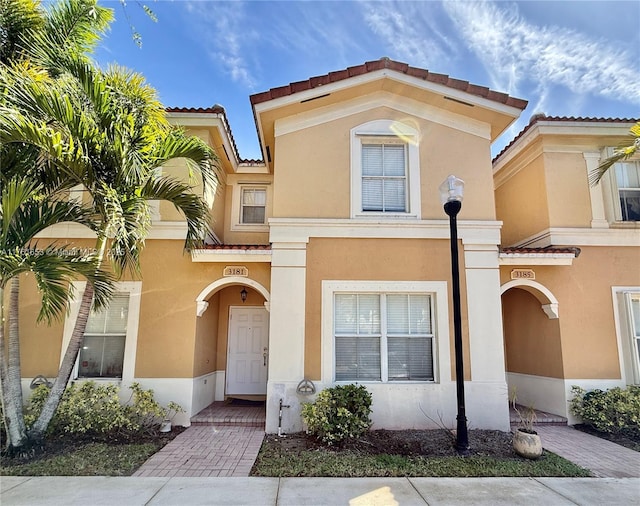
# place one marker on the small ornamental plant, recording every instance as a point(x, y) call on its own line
point(615, 411)
point(526, 416)
point(91, 408)
point(339, 413)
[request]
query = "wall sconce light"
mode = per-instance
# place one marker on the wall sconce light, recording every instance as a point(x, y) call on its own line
point(243, 295)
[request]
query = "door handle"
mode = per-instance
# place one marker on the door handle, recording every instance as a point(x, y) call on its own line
point(264, 356)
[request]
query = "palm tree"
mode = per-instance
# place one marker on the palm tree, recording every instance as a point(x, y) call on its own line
point(623, 152)
point(71, 27)
point(108, 132)
point(24, 212)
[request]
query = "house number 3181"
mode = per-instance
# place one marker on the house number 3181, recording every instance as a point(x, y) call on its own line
point(235, 270)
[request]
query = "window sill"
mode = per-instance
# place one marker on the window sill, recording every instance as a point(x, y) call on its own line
point(246, 227)
point(386, 216)
point(624, 224)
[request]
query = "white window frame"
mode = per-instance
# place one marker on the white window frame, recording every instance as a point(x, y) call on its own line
point(440, 329)
point(134, 289)
point(236, 207)
point(628, 344)
point(254, 189)
point(611, 190)
point(392, 131)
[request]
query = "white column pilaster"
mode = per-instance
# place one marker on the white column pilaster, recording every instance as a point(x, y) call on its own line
point(286, 332)
point(598, 216)
point(484, 312)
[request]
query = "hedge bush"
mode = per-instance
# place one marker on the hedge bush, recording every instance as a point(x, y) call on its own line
point(338, 413)
point(89, 407)
point(614, 411)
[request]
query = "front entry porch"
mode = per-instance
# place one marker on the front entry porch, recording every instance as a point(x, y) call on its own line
point(236, 412)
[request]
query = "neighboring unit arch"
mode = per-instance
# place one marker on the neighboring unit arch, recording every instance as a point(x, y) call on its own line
point(202, 304)
point(549, 303)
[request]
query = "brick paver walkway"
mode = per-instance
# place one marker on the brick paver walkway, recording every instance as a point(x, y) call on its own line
point(205, 450)
point(604, 458)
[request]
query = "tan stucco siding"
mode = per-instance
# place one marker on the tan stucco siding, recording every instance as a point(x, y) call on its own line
point(585, 307)
point(532, 341)
point(168, 316)
point(313, 167)
point(567, 190)
point(372, 259)
point(172, 343)
point(206, 338)
point(39, 344)
point(445, 151)
point(312, 178)
point(521, 204)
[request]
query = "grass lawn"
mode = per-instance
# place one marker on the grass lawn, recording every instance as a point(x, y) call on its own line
point(405, 453)
point(77, 455)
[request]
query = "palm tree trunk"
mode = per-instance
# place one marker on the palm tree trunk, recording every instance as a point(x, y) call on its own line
point(10, 374)
point(66, 367)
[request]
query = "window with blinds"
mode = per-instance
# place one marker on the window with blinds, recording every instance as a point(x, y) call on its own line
point(253, 203)
point(383, 337)
point(628, 182)
point(384, 178)
point(102, 352)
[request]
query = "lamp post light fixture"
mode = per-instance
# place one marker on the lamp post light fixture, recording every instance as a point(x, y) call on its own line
point(451, 191)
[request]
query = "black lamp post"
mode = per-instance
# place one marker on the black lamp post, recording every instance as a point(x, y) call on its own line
point(451, 191)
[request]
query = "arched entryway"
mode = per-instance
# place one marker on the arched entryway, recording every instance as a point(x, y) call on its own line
point(533, 347)
point(232, 339)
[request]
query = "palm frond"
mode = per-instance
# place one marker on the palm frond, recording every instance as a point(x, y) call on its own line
point(623, 151)
point(184, 200)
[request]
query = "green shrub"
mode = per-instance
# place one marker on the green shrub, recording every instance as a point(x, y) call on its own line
point(89, 407)
point(339, 413)
point(615, 411)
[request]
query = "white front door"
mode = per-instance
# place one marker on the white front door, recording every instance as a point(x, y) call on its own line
point(248, 348)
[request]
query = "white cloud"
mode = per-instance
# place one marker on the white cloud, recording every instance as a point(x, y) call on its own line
point(515, 51)
point(219, 25)
point(412, 32)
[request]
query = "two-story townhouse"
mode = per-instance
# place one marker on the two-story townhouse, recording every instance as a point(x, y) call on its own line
point(329, 260)
point(570, 262)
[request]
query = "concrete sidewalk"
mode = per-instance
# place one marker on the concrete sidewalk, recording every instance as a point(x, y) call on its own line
point(136, 491)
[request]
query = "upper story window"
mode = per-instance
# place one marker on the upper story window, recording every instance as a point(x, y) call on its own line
point(384, 177)
point(253, 203)
point(627, 175)
point(385, 170)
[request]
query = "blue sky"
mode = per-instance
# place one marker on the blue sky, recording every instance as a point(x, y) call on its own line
point(567, 58)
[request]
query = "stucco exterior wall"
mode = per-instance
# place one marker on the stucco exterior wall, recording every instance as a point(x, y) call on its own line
point(567, 190)
point(312, 178)
point(172, 343)
point(585, 307)
point(205, 352)
point(522, 203)
point(372, 259)
point(532, 340)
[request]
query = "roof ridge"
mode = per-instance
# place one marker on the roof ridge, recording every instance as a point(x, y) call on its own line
point(387, 63)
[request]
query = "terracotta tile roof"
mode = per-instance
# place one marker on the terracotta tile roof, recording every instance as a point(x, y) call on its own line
point(238, 247)
point(216, 109)
point(551, 250)
point(542, 117)
point(386, 63)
